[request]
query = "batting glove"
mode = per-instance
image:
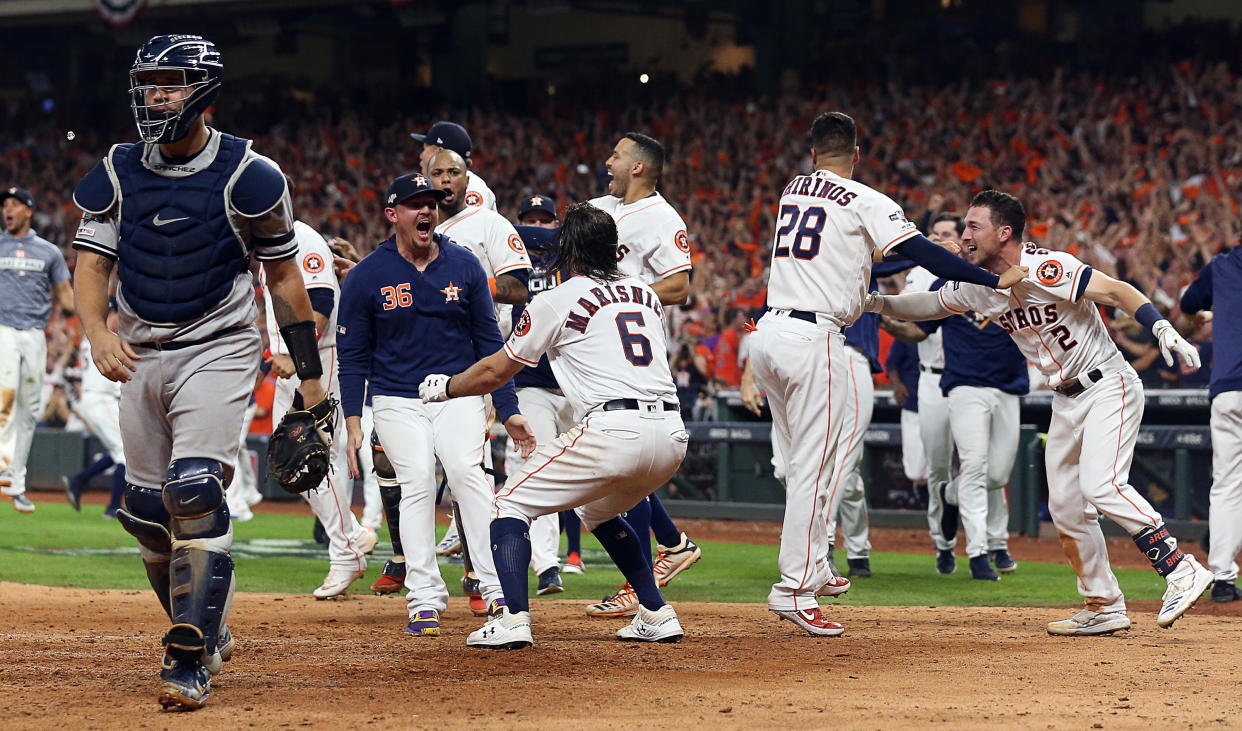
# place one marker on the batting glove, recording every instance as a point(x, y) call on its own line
point(434, 388)
point(1171, 342)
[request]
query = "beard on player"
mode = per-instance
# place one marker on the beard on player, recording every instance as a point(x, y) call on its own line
point(587, 244)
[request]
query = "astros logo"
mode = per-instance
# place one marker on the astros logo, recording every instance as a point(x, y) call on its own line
point(523, 324)
point(682, 241)
point(537, 201)
point(312, 263)
point(473, 198)
point(420, 181)
point(451, 292)
point(1049, 272)
point(515, 243)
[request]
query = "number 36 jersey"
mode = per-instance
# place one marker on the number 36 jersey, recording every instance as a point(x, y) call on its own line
point(604, 340)
point(827, 227)
point(1046, 314)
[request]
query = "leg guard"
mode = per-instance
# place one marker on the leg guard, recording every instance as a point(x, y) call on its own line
point(145, 518)
point(202, 571)
point(1160, 548)
point(390, 493)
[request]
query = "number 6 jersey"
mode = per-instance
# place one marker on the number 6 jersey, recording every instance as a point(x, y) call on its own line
point(1045, 314)
point(604, 340)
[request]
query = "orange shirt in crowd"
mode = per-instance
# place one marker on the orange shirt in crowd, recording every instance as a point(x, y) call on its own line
point(725, 357)
point(263, 396)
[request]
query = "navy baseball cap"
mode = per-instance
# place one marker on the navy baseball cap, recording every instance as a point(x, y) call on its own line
point(449, 135)
point(409, 185)
point(20, 194)
point(537, 203)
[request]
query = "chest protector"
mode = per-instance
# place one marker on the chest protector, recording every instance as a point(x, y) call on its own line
point(178, 253)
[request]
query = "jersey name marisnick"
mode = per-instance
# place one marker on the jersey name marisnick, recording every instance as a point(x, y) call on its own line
point(606, 294)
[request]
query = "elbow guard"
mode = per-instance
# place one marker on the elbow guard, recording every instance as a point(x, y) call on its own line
point(303, 344)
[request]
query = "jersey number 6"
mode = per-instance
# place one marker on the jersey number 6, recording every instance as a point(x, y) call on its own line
point(805, 243)
point(636, 345)
point(398, 296)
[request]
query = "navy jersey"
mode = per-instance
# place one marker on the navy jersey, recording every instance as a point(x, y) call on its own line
point(398, 325)
point(903, 359)
point(864, 334)
point(1219, 289)
point(541, 246)
point(978, 352)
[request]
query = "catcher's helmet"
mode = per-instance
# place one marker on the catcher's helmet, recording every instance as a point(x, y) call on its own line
point(198, 61)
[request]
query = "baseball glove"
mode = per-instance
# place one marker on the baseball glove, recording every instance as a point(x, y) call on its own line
point(298, 452)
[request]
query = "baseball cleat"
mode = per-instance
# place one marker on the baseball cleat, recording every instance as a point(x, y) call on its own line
point(503, 632)
point(1087, 623)
point(337, 583)
point(473, 589)
point(860, 568)
point(495, 608)
point(224, 651)
point(365, 540)
point(573, 564)
point(811, 620)
point(1003, 561)
point(672, 561)
point(21, 503)
point(622, 604)
point(836, 586)
point(550, 582)
point(1225, 591)
point(73, 494)
point(424, 623)
point(946, 562)
point(648, 626)
point(392, 579)
point(451, 542)
point(187, 682)
point(981, 569)
point(1185, 588)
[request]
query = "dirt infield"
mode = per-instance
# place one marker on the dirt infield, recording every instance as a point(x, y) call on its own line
point(79, 658)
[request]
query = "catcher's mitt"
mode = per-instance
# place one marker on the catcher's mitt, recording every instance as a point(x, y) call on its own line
point(297, 453)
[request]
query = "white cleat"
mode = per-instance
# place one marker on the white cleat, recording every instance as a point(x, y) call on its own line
point(365, 540)
point(674, 560)
point(1185, 588)
point(836, 586)
point(1088, 622)
point(504, 631)
point(451, 542)
point(337, 583)
point(648, 626)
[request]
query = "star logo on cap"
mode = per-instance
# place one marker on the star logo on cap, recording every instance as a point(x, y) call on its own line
point(12, 191)
point(536, 201)
point(420, 180)
point(451, 293)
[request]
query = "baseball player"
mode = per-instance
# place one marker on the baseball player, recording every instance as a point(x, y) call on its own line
point(100, 408)
point(828, 228)
point(420, 304)
point(902, 367)
point(177, 216)
point(604, 337)
point(1218, 293)
point(1052, 316)
point(452, 136)
point(32, 272)
point(348, 542)
point(243, 493)
point(654, 247)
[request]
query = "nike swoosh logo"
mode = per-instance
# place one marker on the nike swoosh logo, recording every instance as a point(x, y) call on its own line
point(163, 221)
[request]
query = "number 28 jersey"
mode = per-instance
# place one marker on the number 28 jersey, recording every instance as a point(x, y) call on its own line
point(604, 341)
point(1046, 314)
point(826, 228)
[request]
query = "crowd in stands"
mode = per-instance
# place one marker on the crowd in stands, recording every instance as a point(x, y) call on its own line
point(1138, 175)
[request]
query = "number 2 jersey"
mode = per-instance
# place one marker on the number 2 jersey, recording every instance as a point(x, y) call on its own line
point(827, 227)
point(604, 340)
point(1045, 314)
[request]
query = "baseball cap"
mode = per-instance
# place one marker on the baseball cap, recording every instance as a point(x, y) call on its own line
point(20, 194)
point(537, 202)
point(449, 135)
point(409, 185)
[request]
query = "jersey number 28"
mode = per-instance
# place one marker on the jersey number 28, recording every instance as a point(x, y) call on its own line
point(805, 227)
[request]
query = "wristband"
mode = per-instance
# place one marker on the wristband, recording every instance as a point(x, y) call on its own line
point(302, 340)
point(1148, 316)
point(446, 387)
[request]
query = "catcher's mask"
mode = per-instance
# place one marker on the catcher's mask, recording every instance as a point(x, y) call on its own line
point(198, 62)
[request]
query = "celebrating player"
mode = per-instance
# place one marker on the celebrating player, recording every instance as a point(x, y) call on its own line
point(603, 333)
point(187, 350)
point(452, 136)
point(32, 271)
point(100, 408)
point(1096, 411)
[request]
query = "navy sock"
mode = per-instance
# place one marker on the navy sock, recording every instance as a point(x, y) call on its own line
point(511, 553)
point(118, 488)
point(639, 518)
point(662, 524)
point(94, 468)
point(573, 530)
point(622, 543)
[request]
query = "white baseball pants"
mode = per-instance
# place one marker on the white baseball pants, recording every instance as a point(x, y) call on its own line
point(847, 499)
point(372, 508)
point(23, 360)
point(1225, 514)
point(243, 491)
point(414, 434)
point(550, 415)
point(938, 443)
point(102, 413)
point(913, 454)
point(984, 422)
point(803, 368)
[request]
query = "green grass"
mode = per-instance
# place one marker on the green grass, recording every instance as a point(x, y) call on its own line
point(59, 547)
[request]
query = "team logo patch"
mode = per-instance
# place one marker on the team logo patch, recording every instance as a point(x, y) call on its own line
point(473, 198)
point(296, 431)
point(1050, 272)
point(515, 243)
point(523, 324)
point(682, 241)
point(312, 263)
point(451, 293)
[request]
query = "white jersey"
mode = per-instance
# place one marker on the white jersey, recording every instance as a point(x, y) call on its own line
point(314, 260)
point(604, 340)
point(652, 243)
point(478, 195)
point(1045, 313)
point(931, 348)
point(92, 380)
point(490, 237)
point(827, 228)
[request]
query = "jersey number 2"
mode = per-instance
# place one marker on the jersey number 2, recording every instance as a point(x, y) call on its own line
point(636, 346)
point(805, 244)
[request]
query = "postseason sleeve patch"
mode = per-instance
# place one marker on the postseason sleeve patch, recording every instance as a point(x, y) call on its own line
point(683, 241)
point(515, 243)
point(523, 324)
point(1050, 272)
point(473, 198)
point(312, 263)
